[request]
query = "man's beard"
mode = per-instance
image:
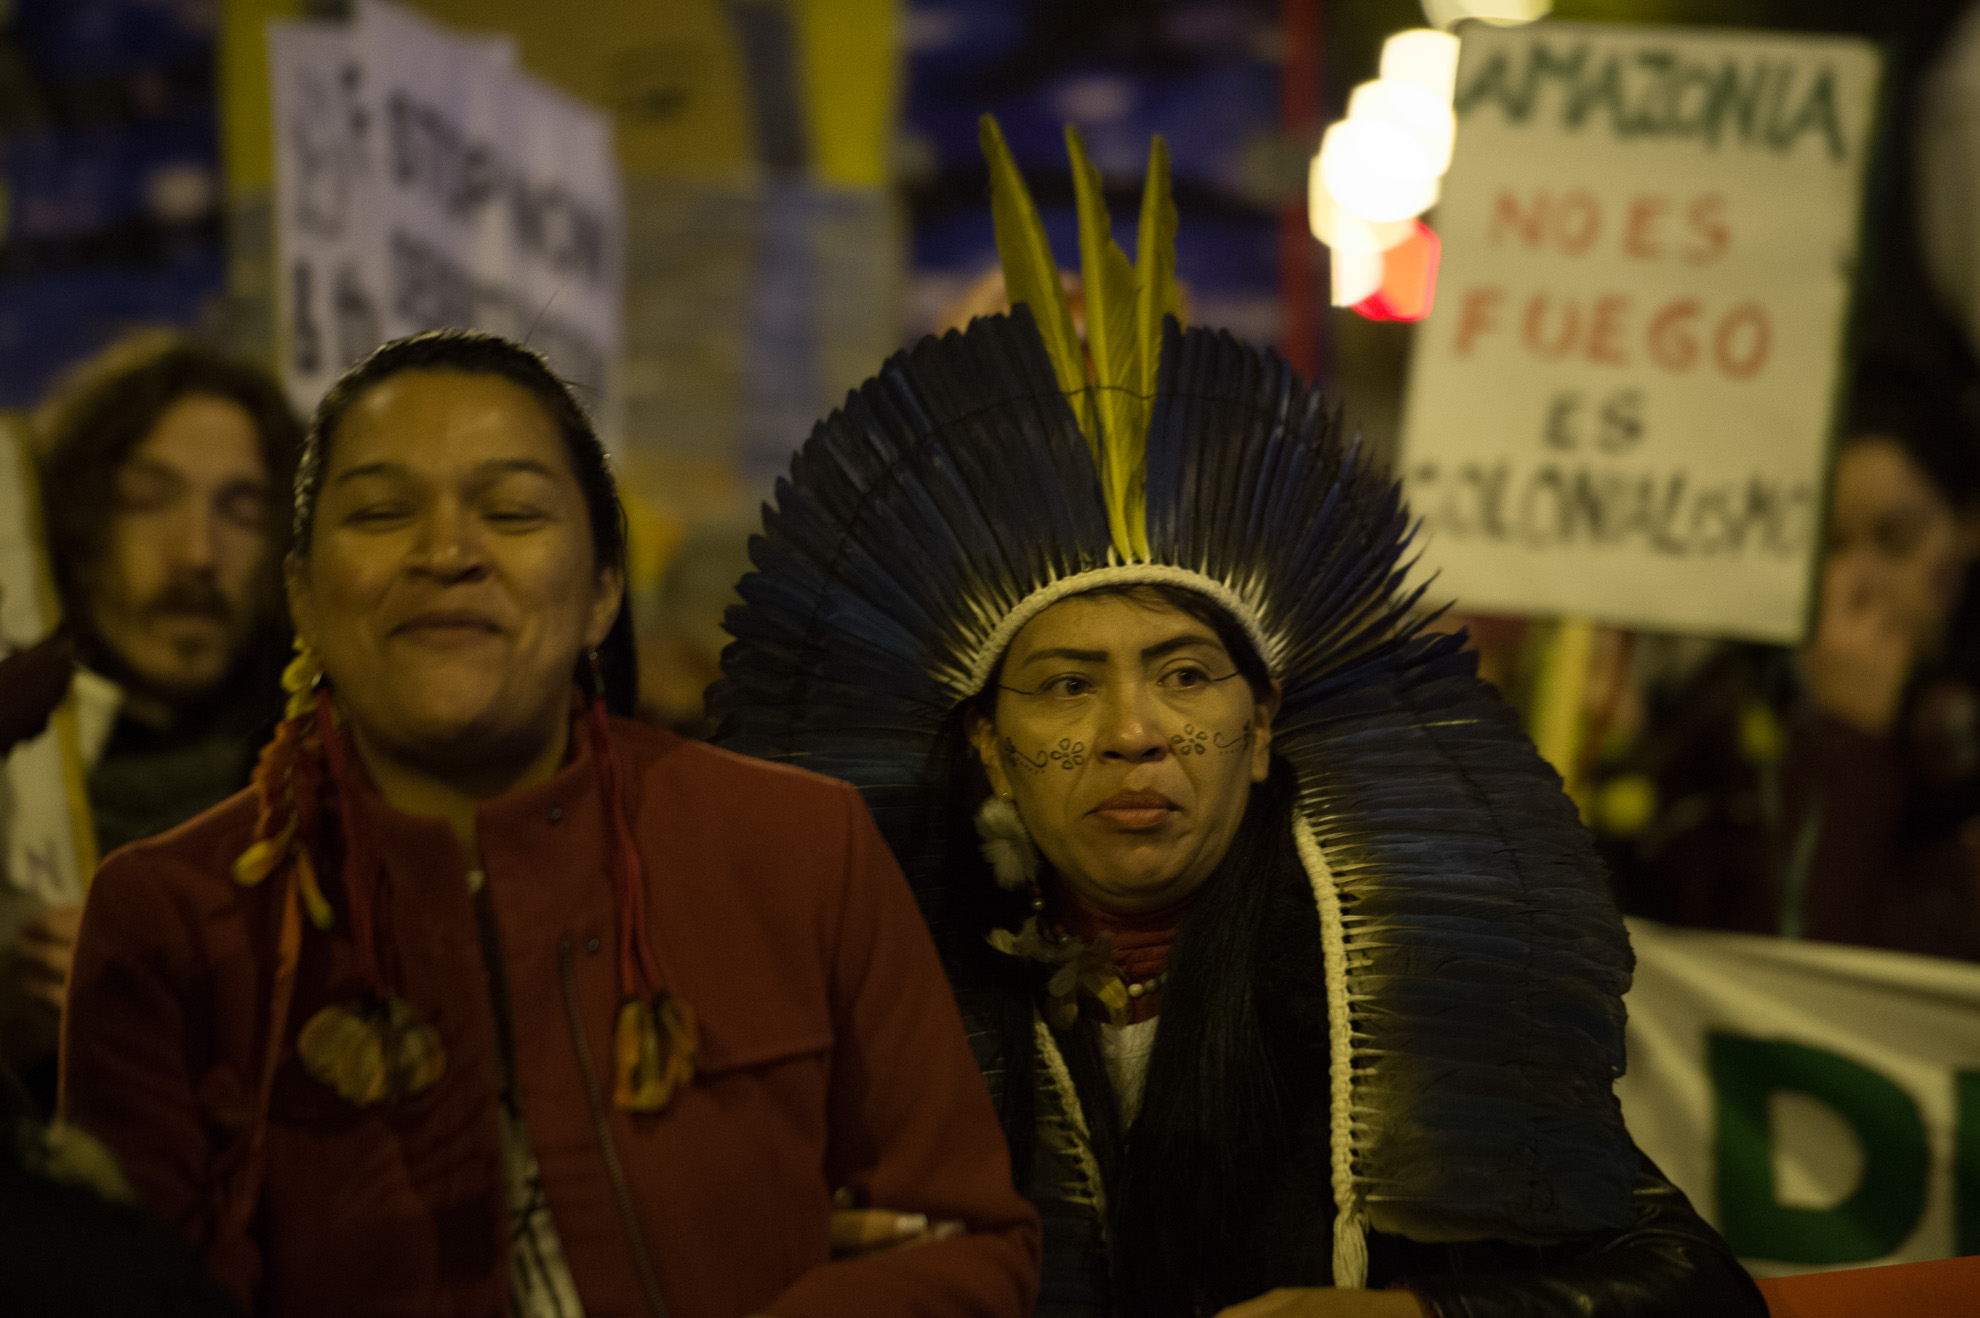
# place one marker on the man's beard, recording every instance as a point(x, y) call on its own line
point(187, 597)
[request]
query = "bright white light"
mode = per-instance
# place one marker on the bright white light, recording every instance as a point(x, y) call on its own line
point(1500, 13)
point(1423, 56)
point(1343, 230)
point(1426, 117)
point(1356, 275)
point(1377, 169)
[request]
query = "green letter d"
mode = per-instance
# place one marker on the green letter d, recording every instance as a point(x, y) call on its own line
point(1876, 1217)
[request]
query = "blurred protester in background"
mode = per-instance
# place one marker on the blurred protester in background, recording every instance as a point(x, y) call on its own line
point(165, 468)
point(1831, 792)
point(680, 653)
point(73, 1239)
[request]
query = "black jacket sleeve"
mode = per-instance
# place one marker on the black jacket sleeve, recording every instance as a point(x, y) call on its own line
point(1669, 1261)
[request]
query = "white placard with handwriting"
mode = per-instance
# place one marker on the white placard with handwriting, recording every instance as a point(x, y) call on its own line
point(425, 181)
point(1621, 406)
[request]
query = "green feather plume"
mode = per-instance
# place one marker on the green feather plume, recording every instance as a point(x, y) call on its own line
point(1031, 276)
point(1157, 296)
point(1111, 383)
point(1115, 346)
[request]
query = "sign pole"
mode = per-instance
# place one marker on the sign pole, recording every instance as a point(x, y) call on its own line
point(1561, 696)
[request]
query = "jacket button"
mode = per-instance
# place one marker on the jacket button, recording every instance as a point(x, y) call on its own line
point(556, 814)
point(591, 947)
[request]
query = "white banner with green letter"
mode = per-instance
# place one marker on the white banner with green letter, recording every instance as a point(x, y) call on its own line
point(1819, 1103)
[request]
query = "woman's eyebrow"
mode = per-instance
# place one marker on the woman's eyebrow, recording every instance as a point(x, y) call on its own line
point(150, 466)
point(1076, 656)
point(364, 469)
point(508, 466)
point(493, 469)
point(1187, 641)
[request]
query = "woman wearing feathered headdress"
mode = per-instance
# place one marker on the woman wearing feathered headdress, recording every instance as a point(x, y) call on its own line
point(1293, 972)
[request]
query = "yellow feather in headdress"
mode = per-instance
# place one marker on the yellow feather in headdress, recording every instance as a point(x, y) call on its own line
point(1157, 295)
point(1031, 276)
point(1112, 385)
point(1115, 346)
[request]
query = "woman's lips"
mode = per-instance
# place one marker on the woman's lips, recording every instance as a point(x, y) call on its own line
point(1136, 811)
point(446, 627)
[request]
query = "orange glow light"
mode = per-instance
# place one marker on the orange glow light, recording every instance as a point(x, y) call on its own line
point(1409, 278)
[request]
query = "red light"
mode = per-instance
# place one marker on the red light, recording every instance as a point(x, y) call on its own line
point(1409, 279)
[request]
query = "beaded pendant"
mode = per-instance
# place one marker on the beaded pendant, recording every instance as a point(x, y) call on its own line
point(654, 1044)
point(372, 1052)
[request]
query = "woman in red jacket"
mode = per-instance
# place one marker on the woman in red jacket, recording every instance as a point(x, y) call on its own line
point(483, 1002)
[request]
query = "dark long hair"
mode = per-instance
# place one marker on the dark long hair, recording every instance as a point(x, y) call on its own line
point(1213, 1199)
point(470, 352)
point(1235, 1091)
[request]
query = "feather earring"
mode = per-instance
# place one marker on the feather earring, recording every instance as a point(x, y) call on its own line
point(1007, 843)
point(1076, 967)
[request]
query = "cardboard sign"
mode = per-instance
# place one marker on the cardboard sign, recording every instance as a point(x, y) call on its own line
point(329, 305)
point(1621, 406)
point(423, 181)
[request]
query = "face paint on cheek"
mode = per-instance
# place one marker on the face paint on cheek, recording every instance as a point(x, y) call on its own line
point(1013, 756)
point(1192, 740)
point(1232, 743)
point(1068, 754)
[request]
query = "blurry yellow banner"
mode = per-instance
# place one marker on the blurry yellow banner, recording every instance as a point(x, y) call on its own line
point(852, 74)
point(247, 140)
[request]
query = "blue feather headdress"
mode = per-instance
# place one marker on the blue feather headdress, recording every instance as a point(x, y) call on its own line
point(1475, 961)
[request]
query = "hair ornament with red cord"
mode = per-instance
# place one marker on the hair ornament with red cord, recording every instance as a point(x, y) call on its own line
point(656, 1037)
point(376, 1048)
point(291, 752)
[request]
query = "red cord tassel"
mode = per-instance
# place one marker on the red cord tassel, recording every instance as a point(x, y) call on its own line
point(655, 1037)
point(360, 866)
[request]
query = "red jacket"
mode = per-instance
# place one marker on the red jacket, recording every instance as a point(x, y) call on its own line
point(832, 1055)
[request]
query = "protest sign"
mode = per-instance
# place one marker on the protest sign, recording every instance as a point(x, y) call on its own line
point(424, 182)
point(49, 846)
point(1820, 1104)
point(1621, 406)
point(329, 307)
